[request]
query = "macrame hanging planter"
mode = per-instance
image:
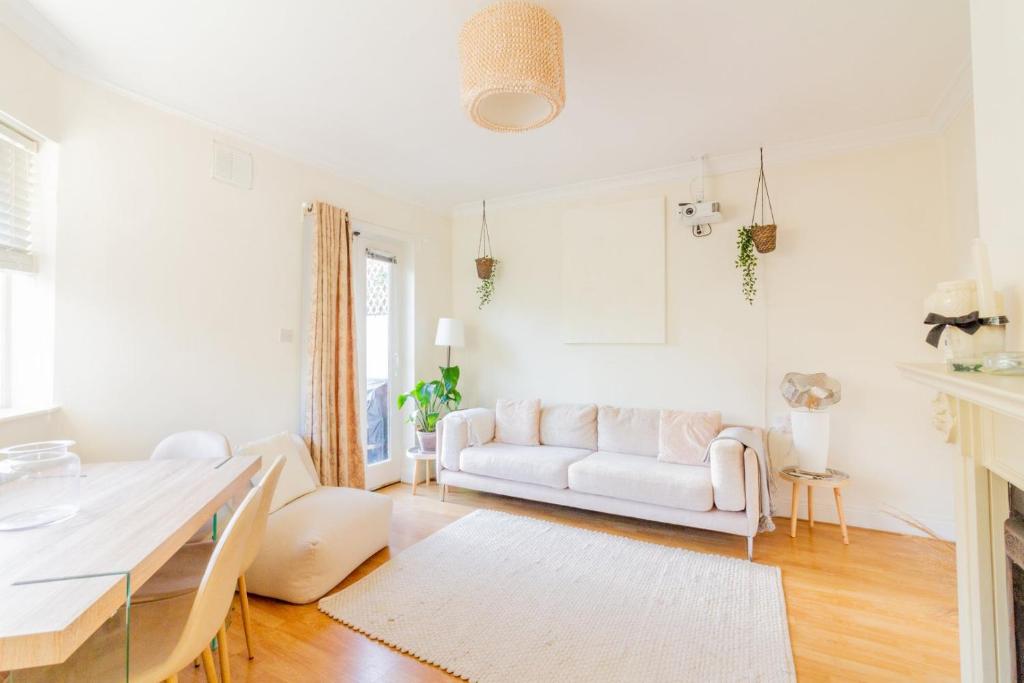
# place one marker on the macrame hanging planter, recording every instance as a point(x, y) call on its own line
point(763, 234)
point(484, 259)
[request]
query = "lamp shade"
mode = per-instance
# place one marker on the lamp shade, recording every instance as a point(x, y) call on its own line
point(513, 76)
point(450, 333)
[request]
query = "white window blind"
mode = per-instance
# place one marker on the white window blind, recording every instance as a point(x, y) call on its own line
point(17, 199)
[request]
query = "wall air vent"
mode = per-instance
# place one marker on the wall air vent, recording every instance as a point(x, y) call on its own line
point(231, 166)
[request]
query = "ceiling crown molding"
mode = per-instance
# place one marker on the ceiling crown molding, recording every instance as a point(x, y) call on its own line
point(953, 100)
point(25, 21)
point(718, 164)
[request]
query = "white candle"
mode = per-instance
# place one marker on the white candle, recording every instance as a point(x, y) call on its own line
point(987, 306)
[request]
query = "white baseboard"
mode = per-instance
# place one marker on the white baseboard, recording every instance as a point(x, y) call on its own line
point(866, 517)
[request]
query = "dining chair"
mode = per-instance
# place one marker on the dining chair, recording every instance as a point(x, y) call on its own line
point(196, 444)
point(181, 574)
point(165, 636)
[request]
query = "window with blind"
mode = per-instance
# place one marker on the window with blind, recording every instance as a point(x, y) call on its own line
point(17, 199)
point(27, 171)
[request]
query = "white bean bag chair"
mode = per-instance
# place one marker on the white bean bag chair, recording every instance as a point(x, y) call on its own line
point(316, 535)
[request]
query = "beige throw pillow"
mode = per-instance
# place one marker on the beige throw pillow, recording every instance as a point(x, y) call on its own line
point(683, 437)
point(517, 422)
point(570, 426)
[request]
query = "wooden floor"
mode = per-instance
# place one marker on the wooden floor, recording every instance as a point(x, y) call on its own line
point(881, 609)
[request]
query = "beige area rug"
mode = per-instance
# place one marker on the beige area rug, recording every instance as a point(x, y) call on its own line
point(501, 598)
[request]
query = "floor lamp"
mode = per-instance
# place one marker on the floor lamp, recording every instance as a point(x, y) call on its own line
point(450, 332)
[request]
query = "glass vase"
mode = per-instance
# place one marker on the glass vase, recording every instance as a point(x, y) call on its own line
point(40, 484)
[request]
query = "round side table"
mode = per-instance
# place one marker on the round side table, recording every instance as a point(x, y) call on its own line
point(835, 480)
point(418, 456)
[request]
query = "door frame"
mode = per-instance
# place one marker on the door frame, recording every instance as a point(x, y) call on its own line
point(390, 471)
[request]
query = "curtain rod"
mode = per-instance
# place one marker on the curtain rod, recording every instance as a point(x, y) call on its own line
point(307, 208)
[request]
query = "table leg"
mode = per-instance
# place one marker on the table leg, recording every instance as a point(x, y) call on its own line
point(810, 506)
point(842, 517)
point(793, 507)
point(415, 475)
point(426, 476)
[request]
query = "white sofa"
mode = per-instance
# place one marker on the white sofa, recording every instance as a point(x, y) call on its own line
point(604, 459)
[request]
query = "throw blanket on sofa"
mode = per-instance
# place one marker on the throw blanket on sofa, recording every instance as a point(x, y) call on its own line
point(756, 441)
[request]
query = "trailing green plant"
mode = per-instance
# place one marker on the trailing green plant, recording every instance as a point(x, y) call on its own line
point(746, 261)
point(485, 290)
point(431, 398)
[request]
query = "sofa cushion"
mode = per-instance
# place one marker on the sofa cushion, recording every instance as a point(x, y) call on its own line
point(298, 476)
point(643, 479)
point(683, 437)
point(517, 422)
point(572, 426)
point(317, 540)
point(628, 430)
point(543, 465)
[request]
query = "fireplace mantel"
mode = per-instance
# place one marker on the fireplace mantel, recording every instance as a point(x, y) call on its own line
point(989, 414)
point(1000, 393)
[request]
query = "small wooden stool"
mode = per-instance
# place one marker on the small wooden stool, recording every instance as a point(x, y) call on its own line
point(835, 481)
point(418, 456)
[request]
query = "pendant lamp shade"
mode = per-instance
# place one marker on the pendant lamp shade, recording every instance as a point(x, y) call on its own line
point(513, 74)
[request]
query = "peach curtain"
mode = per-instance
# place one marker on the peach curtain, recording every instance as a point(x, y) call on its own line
point(332, 405)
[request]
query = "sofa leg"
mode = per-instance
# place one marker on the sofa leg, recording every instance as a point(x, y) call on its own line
point(444, 491)
point(750, 548)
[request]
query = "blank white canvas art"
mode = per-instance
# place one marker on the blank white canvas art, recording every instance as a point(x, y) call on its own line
point(613, 273)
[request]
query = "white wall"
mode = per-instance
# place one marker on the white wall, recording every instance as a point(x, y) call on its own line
point(961, 189)
point(997, 55)
point(864, 237)
point(172, 288)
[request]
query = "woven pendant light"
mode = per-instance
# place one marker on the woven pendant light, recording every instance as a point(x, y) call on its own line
point(513, 76)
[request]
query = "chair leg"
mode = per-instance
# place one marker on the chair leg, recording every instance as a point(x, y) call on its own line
point(222, 653)
point(444, 492)
point(243, 598)
point(208, 666)
point(750, 548)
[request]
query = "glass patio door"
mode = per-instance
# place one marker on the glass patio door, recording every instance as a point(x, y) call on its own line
point(377, 278)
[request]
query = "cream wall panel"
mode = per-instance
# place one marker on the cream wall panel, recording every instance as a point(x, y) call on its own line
point(614, 295)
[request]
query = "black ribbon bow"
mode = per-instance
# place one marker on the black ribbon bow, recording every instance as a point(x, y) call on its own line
point(968, 323)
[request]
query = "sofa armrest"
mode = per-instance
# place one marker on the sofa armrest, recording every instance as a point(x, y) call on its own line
point(459, 430)
point(752, 483)
point(725, 458)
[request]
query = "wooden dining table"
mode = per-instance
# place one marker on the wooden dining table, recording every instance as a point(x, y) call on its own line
point(60, 583)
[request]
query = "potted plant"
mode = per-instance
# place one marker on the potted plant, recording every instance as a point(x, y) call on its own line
point(763, 234)
point(746, 261)
point(486, 264)
point(430, 398)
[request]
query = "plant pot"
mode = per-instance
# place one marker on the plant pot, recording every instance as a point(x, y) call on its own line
point(427, 441)
point(764, 237)
point(484, 267)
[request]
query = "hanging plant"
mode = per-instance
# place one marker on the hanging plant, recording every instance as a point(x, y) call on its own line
point(486, 264)
point(485, 290)
point(746, 261)
point(763, 234)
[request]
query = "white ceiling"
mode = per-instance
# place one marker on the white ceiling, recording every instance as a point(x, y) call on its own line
point(370, 87)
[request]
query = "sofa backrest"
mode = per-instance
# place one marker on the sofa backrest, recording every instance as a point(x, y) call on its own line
point(569, 426)
point(628, 430)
